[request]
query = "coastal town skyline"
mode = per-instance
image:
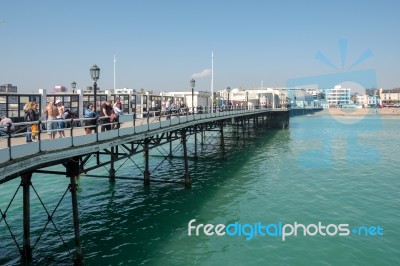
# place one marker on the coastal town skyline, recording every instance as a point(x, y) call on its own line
point(160, 46)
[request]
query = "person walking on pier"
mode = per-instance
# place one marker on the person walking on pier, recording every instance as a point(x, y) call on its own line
point(52, 112)
point(27, 118)
point(6, 126)
point(90, 124)
point(34, 116)
point(163, 108)
point(60, 124)
point(105, 113)
point(31, 115)
point(117, 107)
point(168, 107)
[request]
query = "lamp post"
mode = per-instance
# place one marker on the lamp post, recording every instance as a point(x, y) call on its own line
point(141, 100)
point(73, 85)
point(95, 75)
point(192, 84)
point(247, 99)
point(228, 90)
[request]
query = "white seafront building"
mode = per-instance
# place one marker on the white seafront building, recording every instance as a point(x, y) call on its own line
point(338, 96)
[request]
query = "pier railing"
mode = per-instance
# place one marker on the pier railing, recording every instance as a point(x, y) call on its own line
point(14, 144)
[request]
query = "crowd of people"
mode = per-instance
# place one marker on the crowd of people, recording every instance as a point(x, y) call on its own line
point(108, 117)
point(55, 115)
point(168, 106)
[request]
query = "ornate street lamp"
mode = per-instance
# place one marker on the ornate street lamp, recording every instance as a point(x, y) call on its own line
point(192, 84)
point(73, 85)
point(141, 100)
point(95, 75)
point(228, 90)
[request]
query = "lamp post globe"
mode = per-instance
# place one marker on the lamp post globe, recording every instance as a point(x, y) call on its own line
point(192, 84)
point(73, 85)
point(95, 73)
point(228, 90)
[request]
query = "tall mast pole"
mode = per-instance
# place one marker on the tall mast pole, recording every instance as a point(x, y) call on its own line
point(114, 72)
point(212, 82)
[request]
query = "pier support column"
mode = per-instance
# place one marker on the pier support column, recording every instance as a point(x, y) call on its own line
point(248, 127)
point(27, 249)
point(111, 176)
point(243, 125)
point(188, 181)
point(98, 158)
point(73, 188)
point(170, 145)
point(72, 169)
point(195, 142)
point(237, 129)
point(146, 172)
point(222, 140)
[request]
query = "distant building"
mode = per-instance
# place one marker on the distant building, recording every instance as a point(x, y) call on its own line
point(338, 96)
point(89, 89)
point(371, 92)
point(303, 98)
point(361, 100)
point(390, 97)
point(60, 89)
point(124, 91)
point(8, 88)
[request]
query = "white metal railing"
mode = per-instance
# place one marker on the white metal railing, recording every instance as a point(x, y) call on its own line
point(15, 144)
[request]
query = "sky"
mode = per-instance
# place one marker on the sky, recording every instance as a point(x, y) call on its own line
point(161, 45)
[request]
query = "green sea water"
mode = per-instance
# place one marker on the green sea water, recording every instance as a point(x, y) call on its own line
point(333, 170)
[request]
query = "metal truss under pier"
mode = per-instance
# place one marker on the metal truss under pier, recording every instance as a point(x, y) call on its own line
point(102, 151)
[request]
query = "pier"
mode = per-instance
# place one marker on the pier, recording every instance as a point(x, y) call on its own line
point(29, 161)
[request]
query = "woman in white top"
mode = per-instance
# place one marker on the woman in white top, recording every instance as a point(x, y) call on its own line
point(117, 111)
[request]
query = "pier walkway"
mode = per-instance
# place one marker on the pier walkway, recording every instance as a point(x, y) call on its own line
point(17, 156)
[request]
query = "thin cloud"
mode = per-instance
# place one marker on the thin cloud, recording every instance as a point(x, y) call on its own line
point(202, 74)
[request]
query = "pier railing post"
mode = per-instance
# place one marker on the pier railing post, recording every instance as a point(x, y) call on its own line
point(39, 134)
point(27, 249)
point(96, 129)
point(9, 140)
point(72, 132)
